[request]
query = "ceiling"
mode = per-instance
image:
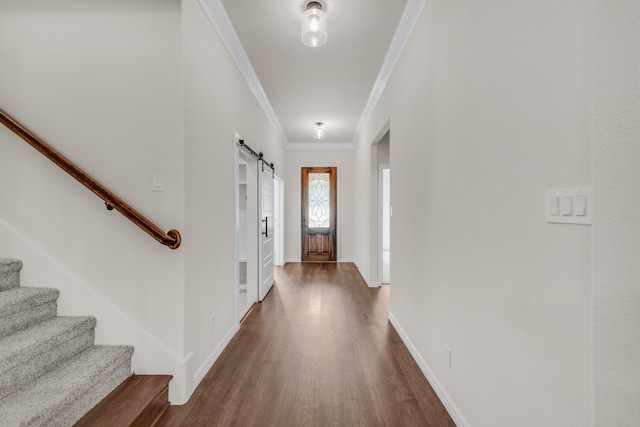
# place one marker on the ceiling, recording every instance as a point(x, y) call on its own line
point(299, 85)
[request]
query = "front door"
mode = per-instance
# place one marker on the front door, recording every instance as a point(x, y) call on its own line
point(319, 214)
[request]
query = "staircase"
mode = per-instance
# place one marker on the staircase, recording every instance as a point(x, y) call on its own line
point(51, 373)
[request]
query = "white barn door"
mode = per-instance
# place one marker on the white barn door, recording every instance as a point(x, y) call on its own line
point(267, 228)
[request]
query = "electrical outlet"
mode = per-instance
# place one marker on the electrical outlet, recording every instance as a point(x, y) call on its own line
point(447, 356)
point(212, 322)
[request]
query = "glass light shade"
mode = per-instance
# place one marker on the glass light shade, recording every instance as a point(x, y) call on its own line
point(314, 27)
point(318, 132)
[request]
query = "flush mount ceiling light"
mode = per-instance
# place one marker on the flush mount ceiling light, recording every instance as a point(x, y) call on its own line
point(314, 25)
point(318, 132)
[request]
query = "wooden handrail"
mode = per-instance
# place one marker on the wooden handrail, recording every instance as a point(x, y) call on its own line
point(171, 238)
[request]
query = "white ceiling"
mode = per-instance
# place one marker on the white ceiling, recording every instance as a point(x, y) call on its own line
point(303, 85)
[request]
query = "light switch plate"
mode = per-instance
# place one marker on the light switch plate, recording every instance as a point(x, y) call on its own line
point(569, 205)
point(158, 181)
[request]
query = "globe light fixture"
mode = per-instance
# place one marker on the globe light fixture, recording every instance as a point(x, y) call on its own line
point(314, 25)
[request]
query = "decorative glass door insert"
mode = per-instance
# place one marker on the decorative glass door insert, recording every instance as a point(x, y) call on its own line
point(319, 200)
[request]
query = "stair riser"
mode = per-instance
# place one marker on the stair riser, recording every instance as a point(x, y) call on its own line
point(154, 410)
point(138, 402)
point(9, 273)
point(9, 280)
point(19, 321)
point(38, 363)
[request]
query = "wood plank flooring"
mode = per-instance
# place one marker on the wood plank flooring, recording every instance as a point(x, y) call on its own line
point(319, 351)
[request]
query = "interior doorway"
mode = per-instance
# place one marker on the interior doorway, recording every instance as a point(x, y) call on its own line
point(319, 213)
point(384, 229)
point(246, 232)
point(383, 208)
point(279, 220)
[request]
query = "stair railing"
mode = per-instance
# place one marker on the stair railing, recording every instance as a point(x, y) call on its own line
point(171, 238)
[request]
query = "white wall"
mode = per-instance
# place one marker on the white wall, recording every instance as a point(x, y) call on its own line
point(616, 229)
point(218, 104)
point(296, 159)
point(488, 107)
point(101, 82)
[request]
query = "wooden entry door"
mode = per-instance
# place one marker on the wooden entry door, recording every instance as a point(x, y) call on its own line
point(318, 208)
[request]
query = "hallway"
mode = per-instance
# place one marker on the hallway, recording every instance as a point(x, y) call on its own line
point(319, 351)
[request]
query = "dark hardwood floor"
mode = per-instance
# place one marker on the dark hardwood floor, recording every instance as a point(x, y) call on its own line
point(319, 351)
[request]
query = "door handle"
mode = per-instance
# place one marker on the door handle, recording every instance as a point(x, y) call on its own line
point(265, 233)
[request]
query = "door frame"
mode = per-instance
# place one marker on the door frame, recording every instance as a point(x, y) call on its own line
point(381, 167)
point(252, 229)
point(338, 207)
point(279, 216)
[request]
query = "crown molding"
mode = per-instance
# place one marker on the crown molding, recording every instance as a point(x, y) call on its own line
point(408, 20)
point(320, 146)
point(219, 18)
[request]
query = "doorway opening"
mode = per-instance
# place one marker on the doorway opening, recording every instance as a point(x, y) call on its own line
point(319, 213)
point(246, 232)
point(279, 220)
point(384, 216)
point(381, 151)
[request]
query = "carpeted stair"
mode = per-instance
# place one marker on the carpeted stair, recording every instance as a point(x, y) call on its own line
point(51, 373)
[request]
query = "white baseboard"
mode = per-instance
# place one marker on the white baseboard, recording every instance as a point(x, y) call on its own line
point(292, 260)
point(202, 371)
point(365, 277)
point(374, 284)
point(446, 400)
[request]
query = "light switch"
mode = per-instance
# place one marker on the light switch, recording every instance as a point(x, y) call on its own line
point(158, 182)
point(554, 206)
point(581, 205)
point(565, 205)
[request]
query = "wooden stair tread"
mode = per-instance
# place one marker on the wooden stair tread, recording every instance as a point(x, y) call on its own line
point(139, 401)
